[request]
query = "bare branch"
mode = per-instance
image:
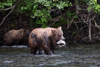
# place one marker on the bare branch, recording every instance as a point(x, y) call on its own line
point(12, 8)
point(79, 31)
point(76, 25)
point(57, 19)
point(96, 25)
point(70, 23)
point(6, 9)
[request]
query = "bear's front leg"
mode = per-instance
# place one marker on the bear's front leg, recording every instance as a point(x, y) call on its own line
point(33, 50)
point(47, 50)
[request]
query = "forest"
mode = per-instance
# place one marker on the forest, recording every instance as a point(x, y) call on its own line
point(67, 33)
point(79, 18)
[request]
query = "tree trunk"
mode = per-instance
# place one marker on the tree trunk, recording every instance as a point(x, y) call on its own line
point(89, 27)
point(77, 6)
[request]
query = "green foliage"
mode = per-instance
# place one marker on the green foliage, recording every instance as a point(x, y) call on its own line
point(84, 1)
point(71, 14)
point(38, 9)
point(93, 5)
point(7, 3)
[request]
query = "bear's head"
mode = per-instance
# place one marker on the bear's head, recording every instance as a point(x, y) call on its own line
point(58, 35)
point(27, 32)
point(24, 32)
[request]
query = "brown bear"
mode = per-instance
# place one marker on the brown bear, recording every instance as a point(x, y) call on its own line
point(15, 35)
point(45, 39)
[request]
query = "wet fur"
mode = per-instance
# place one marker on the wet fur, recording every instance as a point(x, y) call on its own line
point(43, 39)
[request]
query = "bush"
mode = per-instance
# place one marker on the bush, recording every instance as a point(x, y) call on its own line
point(38, 9)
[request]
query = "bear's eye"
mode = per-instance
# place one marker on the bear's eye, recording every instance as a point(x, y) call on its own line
point(59, 35)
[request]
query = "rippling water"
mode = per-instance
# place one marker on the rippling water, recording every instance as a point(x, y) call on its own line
point(76, 56)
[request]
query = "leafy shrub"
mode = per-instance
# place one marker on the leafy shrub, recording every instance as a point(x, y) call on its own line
point(38, 9)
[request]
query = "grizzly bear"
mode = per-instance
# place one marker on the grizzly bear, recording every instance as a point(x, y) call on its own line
point(45, 39)
point(15, 35)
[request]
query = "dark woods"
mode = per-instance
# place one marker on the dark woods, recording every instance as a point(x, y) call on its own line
point(79, 19)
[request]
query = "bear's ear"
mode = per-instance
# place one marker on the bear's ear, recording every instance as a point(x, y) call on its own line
point(60, 27)
point(53, 32)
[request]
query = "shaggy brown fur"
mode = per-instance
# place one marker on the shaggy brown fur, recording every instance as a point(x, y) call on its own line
point(15, 35)
point(44, 39)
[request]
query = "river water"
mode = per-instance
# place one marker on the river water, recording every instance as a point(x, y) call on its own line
point(70, 56)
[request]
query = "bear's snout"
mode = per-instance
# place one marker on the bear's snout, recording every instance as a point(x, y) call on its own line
point(62, 38)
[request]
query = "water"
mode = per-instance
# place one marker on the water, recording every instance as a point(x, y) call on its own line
point(76, 56)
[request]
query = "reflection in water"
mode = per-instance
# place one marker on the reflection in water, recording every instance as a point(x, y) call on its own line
point(81, 56)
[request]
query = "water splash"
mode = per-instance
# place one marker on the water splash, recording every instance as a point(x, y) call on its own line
point(15, 46)
point(8, 61)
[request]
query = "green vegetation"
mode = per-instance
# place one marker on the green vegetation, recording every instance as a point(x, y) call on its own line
point(41, 9)
point(43, 13)
point(38, 9)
